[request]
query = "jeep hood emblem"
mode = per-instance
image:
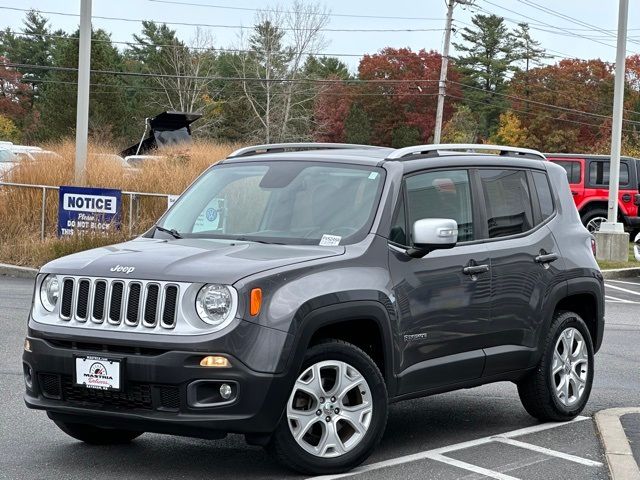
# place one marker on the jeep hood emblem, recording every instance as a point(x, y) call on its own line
point(120, 268)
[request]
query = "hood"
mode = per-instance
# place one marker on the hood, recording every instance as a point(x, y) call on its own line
point(186, 260)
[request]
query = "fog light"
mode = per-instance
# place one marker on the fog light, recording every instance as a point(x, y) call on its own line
point(225, 391)
point(215, 361)
point(27, 345)
point(28, 375)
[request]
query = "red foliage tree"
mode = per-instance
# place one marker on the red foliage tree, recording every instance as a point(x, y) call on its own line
point(550, 100)
point(14, 95)
point(409, 101)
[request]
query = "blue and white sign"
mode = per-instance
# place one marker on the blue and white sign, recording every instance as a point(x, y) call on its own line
point(88, 209)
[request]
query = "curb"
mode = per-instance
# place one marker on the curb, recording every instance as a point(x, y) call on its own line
point(617, 450)
point(616, 273)
point(16, 271)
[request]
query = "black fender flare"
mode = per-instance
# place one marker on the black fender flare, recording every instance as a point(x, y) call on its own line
point(308, 322)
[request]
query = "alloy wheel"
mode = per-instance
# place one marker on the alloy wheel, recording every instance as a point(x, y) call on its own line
point(593, 225)
point(330, 409)
point(570, 367)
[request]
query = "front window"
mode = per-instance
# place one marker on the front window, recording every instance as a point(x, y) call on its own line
point(279, 202)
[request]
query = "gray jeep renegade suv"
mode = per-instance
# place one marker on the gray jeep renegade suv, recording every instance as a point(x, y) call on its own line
point(295, 290)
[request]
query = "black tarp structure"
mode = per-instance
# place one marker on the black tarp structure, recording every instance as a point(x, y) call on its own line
point(163, 130)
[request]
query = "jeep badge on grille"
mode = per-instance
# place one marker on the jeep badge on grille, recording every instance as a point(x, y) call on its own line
point(120, 268)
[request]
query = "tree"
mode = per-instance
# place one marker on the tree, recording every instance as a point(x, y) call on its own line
point(462, 127)
point(109, 113)
point(527, 51)
point(487, 57)
point(411, 100)
point(510, 131)
point(331, 108)
point(569, 104)
point(357, 126)
point(405, 136)
point(325, 67)
point(8, 130)
point(15, 102)
point(271, 66)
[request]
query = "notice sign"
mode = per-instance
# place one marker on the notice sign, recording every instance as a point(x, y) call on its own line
point(88, 209)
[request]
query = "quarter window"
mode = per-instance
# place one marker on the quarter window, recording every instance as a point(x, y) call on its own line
point(442, 194)
point(508, 202)
point(544, 194)
point(573, 170)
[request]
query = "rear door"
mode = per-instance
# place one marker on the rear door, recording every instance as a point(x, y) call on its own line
point(525, 263)
point(597, 182)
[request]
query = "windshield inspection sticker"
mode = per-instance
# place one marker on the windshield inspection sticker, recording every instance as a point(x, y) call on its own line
point(373, 175)
point(330, 240)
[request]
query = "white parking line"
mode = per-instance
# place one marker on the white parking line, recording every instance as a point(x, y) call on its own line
point(618, 300)
point(546, 451)
point(637, 284)
point(437, 454)
point(626, 290)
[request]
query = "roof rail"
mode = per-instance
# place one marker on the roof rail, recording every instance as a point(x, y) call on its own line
point(282, 147)
point(468, 147)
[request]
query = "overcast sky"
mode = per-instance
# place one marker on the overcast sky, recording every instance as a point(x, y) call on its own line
point(553, 31)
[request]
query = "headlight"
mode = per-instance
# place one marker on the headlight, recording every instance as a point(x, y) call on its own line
point(216, 305)
point(49, 292)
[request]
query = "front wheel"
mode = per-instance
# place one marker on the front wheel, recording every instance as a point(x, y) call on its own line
point(336, 413)
point(558, 389)
point(96, 435)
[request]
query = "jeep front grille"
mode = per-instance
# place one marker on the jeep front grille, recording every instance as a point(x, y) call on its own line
point(136, 303)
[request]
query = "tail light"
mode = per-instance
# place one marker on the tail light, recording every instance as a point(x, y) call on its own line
point(593, 246)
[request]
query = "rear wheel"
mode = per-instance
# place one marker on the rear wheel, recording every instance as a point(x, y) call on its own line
point(336, 412)
point(592, 219)
point(558, 389)
point(97, 435)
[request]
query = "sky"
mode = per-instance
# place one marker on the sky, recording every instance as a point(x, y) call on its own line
point(562, 33)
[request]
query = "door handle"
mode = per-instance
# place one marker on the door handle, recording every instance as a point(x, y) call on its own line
point(573, 192)
point(546, 258)
point(475, 269)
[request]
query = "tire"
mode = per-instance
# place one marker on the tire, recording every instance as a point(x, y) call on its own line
point(97, 435)
point(592, 216)
point(369, 411)
point(538, 389)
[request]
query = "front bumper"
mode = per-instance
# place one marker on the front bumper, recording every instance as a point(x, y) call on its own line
point(154, 394)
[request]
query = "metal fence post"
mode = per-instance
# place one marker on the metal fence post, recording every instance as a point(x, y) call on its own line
point(131, 214)
point(44, 212)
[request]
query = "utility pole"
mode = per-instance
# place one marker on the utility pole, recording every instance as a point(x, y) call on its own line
point(442, 84)
point(612, 241)
point(84, 67)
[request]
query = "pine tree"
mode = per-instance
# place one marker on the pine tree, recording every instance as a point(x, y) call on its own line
point(357, 126)
point(487, 57)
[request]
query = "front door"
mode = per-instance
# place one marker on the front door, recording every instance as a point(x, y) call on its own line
point(444, 297)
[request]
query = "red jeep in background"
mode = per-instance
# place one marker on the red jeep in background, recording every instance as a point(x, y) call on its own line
point(589, 181)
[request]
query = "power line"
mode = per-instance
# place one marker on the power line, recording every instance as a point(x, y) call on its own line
point(211, 49)
point(530, 113)
point(237, 79)
point(542, 104)
point(329, 14)
point(240, 27)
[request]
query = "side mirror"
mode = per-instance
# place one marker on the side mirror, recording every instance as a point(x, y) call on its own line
point(431, 234)
point(636, 247)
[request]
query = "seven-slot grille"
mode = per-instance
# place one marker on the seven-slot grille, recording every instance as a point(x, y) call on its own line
point(136, 303)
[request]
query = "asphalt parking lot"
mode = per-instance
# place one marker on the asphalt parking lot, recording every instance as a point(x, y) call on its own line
point(469, 434)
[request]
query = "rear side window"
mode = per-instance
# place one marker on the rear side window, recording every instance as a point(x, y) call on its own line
point(573, 170)
point(508, 202)
point(543, 190)
point(442, 194)
point(599, 173)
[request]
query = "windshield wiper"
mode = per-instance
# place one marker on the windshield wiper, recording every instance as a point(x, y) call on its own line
point(171, 231)
point(246, 239)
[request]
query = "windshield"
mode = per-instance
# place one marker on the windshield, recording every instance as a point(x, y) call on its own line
point(7, 156)
point(279, 202)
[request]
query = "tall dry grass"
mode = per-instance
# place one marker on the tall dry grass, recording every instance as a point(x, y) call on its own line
point(20, 208)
